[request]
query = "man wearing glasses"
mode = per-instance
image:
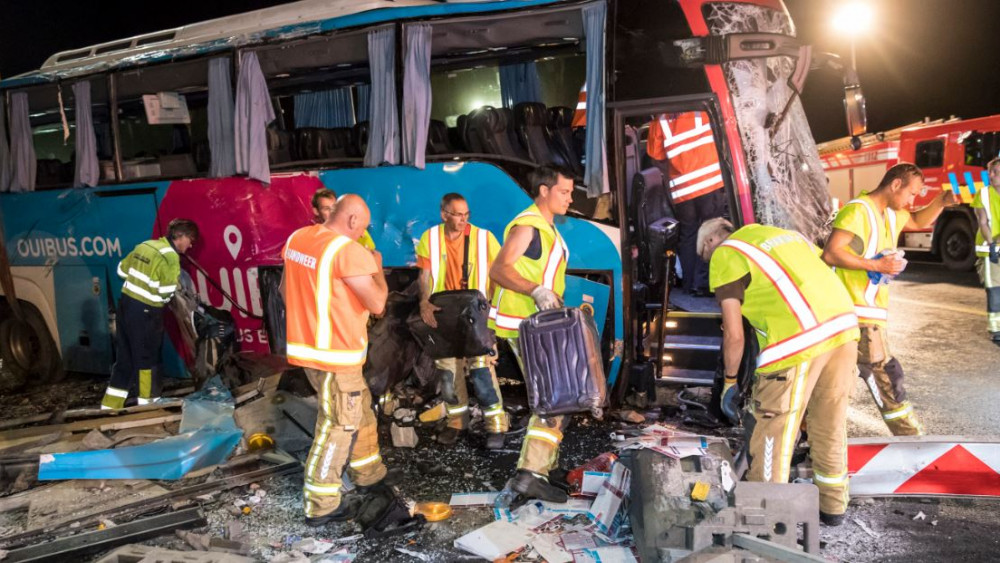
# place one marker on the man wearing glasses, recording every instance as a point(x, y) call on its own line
point(457, 255)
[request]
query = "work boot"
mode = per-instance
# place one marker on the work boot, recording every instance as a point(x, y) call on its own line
point(558, 478)
point(348, 510)
point(448, 436)
point(535, 486)
point(831, 519)
point(494, 441)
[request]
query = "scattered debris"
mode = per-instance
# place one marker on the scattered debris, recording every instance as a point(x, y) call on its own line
point(403, 436)
point(865, 527)
point(630, 416)
point(920, 516)
point(411, 553)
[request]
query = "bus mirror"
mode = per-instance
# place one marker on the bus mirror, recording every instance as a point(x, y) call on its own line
point(854, 109)
point(718, 49)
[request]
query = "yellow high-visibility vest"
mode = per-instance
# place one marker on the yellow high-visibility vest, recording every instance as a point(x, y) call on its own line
point(797, 306)
point(549, 269)
point(483, 248)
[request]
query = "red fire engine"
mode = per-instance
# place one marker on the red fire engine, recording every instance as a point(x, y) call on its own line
point(952, 154)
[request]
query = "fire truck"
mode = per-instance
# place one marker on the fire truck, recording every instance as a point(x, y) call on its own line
point(952, 154)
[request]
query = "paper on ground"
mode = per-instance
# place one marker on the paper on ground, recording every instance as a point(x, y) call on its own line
point(494, 540)
point(578, 541)
point(547, 546)
point(473, 499)
point(611, 554)
point(592, 482)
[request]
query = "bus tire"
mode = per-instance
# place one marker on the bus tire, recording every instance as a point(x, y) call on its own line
point(957, 246)
point(27, 350)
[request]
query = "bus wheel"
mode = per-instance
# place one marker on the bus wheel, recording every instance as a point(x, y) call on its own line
point(27, 351)
point(957, 246)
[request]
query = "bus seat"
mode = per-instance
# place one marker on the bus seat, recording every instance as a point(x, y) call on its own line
point(651, 202)
point(560, 118)
point(532, 119)
point(469, 141)
point(279, 147)
point(490, 126)
point(437, 138)
point(177, 165)
point(515, 142)
point(338, 142)
point(360, 137)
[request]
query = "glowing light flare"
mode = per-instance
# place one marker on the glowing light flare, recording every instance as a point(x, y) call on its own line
point(854, 18)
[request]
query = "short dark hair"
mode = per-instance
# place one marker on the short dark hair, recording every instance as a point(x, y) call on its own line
point(450, 197)
point(545, 176)
point(992, 163)
point(903, 171)
point(321, 193)
point(180, 227)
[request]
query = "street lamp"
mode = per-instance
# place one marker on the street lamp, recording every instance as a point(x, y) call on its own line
point(853, 20)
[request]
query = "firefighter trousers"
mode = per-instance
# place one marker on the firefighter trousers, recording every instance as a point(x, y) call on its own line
point(137, 349)
point(346, 434)
point(540, 449)
point(820, 388)
point(480, 371)
point(989, 274)
point(883, 375)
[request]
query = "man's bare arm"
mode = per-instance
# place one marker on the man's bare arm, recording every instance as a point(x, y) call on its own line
point(502, 272)
point(836, 253)
point(925, 216)
point(371, 290)
point(984, 225)
point(427, 308)
point(732, 335)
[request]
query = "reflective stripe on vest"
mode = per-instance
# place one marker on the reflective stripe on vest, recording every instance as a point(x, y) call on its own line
point(480, 259)
point(508, 322)
point(580, 113)
point(687, 184)
point(805, 340)
point(775, 272)
point(557, 254)
point(873, 311)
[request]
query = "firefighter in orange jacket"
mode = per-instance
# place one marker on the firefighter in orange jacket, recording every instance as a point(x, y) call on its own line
point(457, 255)
point(807, 330)
point(330, 286)
point(864, 238)
point(682, 145)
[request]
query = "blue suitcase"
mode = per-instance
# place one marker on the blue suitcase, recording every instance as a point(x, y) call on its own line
point(561, 353)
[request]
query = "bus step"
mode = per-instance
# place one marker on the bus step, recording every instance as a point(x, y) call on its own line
point(693, 342)
point(683, 376)
point(703, 324)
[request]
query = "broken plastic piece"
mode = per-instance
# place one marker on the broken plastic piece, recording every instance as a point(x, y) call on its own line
point(700, 491)
point(433, 511)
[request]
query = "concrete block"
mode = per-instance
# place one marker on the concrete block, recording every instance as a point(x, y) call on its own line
point(403, 436)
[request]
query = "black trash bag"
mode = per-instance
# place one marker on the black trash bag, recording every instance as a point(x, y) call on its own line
point(269, 279)
point(461, 330)
point(384, 514)
point(395, 350)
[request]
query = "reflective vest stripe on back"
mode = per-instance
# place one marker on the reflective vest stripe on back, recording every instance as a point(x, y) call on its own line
point(580, 113)
point(775, 272)
point(324, 325)
point(687, 183)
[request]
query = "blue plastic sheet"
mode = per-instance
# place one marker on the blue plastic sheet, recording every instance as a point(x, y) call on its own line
point(208, 435)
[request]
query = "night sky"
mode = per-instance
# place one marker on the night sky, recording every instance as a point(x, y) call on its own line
point(924, 58)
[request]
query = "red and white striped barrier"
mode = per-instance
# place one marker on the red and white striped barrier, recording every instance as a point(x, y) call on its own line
point(924, 465)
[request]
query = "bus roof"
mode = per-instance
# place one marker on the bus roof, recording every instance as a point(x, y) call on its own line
point(296, 19)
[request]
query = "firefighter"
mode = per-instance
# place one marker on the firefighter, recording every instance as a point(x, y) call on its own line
point(987, 206)
point(682, 146)
point(862, 246)
point(531, 274)
point(150, 273)
point(457, 255)
point(324, 200)
point(808, 333)
point(331, 284)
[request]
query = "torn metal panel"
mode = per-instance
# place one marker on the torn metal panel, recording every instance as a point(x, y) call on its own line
point(133, 553)
point(773, 550)
point(789, 184)
point(209, 435)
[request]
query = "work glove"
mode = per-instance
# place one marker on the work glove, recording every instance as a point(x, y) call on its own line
point(729, 399)
point(545, 298)
point(994, 253)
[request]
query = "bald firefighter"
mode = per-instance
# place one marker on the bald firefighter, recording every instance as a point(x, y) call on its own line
point(331, 284)
point(457, 255)
point(531, 274)
point(862, 249)
point(987, 206)
point(807, 331)
point(150, 273)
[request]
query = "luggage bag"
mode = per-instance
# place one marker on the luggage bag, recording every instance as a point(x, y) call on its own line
point(561, 353)
point(461, 330)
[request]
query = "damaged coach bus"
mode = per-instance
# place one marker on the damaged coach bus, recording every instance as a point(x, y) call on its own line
point(402, 102)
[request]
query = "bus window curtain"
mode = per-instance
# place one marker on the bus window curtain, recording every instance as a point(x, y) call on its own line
point(519, 83)
point(22, 148)
point(253, 113)
point(364, 98)
point(87, 171)
point(221, 132)
point(416, 94)
point(5, 163)
point(326, 109)
point(383, 137)
point(595, 173)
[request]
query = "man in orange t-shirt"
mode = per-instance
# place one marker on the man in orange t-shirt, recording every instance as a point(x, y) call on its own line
point(331, 284)
point(457, 255)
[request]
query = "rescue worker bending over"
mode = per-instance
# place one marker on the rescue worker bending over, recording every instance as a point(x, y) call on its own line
point(531, 273)
point(863, 244)
point(808, 333)
point(457, 255)
point(682, 146)
point(987, 206)
point(151, 273)
point(331, 284)
point(324, 201)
